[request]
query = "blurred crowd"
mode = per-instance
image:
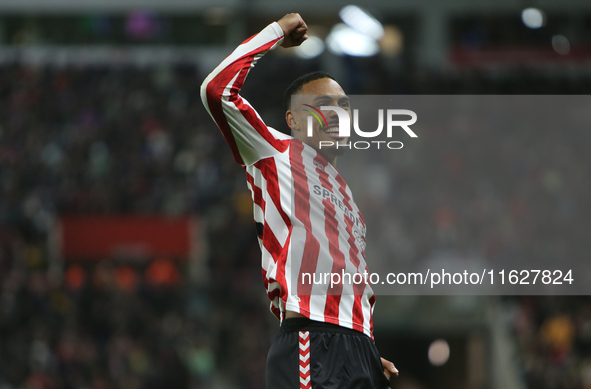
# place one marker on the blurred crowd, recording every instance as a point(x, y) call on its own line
point(113, 140)
point(121, 141)
point(553, 340)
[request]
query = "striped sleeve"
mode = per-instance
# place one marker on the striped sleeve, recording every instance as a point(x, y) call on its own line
point(246, 133)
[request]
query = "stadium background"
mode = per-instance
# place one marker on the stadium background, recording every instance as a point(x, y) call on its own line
point(128, 256)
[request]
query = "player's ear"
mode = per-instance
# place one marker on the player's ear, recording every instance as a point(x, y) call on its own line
point(292, 121)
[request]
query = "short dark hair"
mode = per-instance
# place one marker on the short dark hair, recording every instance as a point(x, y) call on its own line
point(298, 84)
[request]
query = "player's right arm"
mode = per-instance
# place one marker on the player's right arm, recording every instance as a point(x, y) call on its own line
point(248, 136)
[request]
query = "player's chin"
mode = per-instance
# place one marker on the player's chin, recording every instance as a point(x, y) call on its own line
point(339, 151)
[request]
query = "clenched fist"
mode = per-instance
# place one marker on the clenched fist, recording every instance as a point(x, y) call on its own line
point(294, 28)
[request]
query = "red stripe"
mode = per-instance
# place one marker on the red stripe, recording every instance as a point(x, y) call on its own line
point(279, 253)
point(331, 228)
point(256, 191)
point(265, 280)
point(272, 244)
point(280, 275)
point(251, 116)
point(276, 311)
point(269, 171)
point(272, 295)
point(302, 213)
point(214, 92)
point(358, 289)
point(215, 89)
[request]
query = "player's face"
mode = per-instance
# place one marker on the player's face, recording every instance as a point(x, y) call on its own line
point(319, 93)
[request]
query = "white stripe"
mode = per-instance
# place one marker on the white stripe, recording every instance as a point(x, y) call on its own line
point(272, 286)
point(251, 145)
point(304, 346)
point(268, 264)
point(305, 380)
point(275, 222)
point(305, 369)
point(259, 215)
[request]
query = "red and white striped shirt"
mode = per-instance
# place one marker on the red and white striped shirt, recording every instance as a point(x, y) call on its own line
point(310, 222)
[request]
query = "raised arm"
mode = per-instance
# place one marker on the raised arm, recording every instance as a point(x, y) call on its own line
point(248, 136)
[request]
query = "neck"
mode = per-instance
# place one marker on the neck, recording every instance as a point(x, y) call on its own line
point(330, 158)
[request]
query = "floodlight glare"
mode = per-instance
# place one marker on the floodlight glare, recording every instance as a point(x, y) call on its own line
point(362, 21)
point(345, 40)
point(533, 17)
point(561, 44)
point(311, 48)
point(438, 352)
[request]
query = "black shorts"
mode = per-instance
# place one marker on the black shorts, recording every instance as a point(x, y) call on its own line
point(308, 354)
